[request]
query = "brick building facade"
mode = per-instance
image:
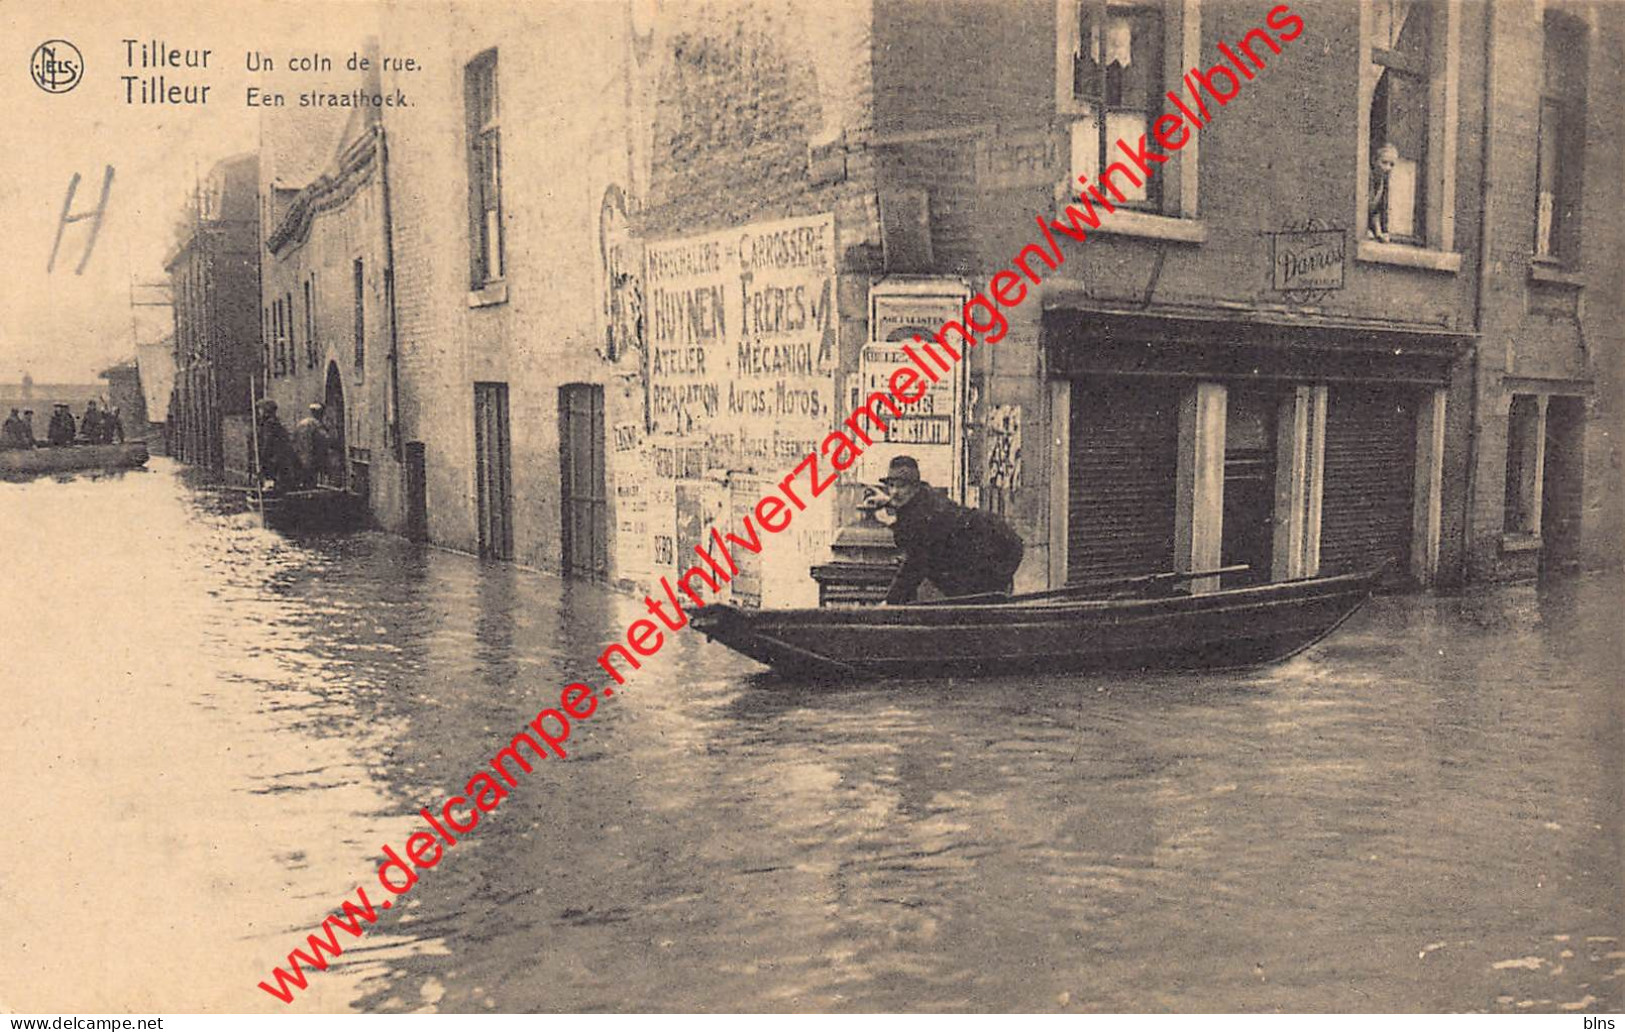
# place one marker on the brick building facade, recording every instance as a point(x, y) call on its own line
point(508, 180)
point(643, 261)
point(214, 282)
point(1546, 449)
point(326, 305)
point(1245, 364)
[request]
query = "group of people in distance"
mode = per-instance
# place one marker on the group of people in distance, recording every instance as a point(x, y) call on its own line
point(96, 426)
point(292, 461)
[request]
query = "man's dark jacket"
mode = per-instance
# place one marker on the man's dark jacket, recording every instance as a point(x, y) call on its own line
point(962, 551)
point(15, 434)
point(277, 458)
point(62, 428)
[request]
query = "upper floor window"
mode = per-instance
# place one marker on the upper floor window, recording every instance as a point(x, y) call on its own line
point(360, 297)
point(310, 322)
point(1115, 63)
point(278, 347)
point(1409, 60)
point(1562, 139)
point(293, 334)
point(1116, 94)
point(484, 169)
point(1399, 132)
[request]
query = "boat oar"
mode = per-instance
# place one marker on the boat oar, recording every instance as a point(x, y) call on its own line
point(1084, 587)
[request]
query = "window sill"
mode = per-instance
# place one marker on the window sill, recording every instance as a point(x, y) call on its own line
point(1408, 256)
point(493, 293)
point(1542, 270)
point(1520, 543)
point(1127, 222)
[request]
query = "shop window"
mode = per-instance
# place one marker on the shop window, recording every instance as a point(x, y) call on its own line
point(1562, 139)
point(484, 169)
point(1525, 440)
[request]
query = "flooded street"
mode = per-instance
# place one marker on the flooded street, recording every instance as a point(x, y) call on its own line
point(211, 730)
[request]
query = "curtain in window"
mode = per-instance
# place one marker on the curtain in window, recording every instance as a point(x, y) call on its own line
point(1116, 73)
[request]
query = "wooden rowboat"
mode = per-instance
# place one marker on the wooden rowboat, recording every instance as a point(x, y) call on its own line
point(1234, 627)
point(35, 461)
point(315, 510)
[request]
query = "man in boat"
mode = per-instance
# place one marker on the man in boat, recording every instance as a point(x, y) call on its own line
point(112, 426)
point(277, 458)
point(62, 429)
point(14, 433)
point(30, 441)
point(962, 551)
point(90, 425)
point(312, 443)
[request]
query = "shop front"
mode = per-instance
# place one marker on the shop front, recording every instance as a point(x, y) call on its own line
point(1269, 450)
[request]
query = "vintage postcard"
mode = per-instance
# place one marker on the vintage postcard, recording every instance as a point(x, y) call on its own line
point(872, 506)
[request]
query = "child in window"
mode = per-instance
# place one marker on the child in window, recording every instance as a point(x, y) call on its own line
point(1382, 167)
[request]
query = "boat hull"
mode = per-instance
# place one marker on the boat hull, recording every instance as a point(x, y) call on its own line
point(35, 461)
point(1233, 628)
point(317, 510)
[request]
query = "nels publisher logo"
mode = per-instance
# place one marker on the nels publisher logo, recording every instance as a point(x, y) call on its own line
point(57, 66)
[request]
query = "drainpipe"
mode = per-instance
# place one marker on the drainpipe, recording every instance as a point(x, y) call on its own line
point(1484, 186)
point(389, 289)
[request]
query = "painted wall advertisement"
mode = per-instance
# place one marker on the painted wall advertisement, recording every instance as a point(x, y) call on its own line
point(933, 429)
point(742, 332)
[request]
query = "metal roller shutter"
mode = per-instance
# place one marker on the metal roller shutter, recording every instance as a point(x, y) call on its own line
point(1123, 462)
point(1370, 459)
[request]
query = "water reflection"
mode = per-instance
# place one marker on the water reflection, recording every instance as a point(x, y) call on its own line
point(1423, 813)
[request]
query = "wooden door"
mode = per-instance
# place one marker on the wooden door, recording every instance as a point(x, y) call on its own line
point(493, 472)
point(583, 502)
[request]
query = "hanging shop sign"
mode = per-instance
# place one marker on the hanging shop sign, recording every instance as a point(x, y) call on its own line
point(1308, 259)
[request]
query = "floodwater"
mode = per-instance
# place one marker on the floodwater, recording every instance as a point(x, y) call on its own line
point(211, 730)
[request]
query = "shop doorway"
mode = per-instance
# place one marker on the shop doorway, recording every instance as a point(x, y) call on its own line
point(1370, 465)
point(1562, 486)
point(333, 420)
point(1248, 534)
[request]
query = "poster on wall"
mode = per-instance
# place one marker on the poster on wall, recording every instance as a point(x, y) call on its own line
point(742, 330)
point(932, 430)
point(633, 544)
point(779, 577)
